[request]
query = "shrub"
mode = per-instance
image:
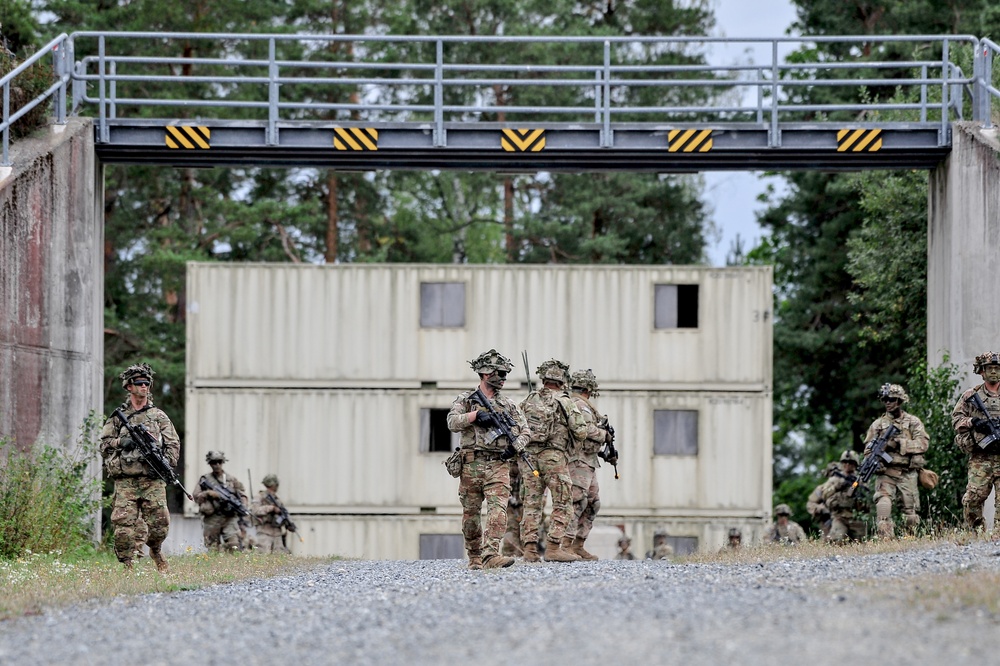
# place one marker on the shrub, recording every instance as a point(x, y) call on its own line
point(25, 87)
point(49, 496)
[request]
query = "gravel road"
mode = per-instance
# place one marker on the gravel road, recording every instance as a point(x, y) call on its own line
point(820, 611)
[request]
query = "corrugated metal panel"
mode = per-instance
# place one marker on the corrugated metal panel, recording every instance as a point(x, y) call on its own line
point(331, 325)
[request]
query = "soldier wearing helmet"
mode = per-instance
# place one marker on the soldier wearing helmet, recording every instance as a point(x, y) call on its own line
point(900, 475)
point(583, 463)
point(815, 506)
point(139, 510)
point(784, 530)
point(973, 426)
point(843, 499)
point(485, 471)
point(624, 545)
point(269, 513)
point(735, 540)
point(220, 524)
point(556, 427)
point(661, 549)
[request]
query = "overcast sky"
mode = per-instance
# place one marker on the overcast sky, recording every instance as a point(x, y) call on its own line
point(733, 194)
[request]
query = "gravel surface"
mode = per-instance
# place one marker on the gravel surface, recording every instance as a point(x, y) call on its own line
point(819, 611)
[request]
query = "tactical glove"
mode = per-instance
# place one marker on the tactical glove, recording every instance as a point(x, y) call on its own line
point(126, 444)
point(508, 453)
point(981, 425)
point(485, 419)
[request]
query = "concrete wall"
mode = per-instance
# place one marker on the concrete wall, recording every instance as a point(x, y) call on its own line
point(51, 286)
point(963, 301)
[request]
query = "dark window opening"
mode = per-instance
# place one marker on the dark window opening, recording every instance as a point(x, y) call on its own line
point(676, 306)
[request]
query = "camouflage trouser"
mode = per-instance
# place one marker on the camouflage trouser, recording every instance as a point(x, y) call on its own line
point(885, 493)
point(844, 526)
point(220, 528)
point(512, 536)
point(984, 475)
point(586, 500)
point(270, 543)
point(139, 506)
point(553, 473)
point(489, 480)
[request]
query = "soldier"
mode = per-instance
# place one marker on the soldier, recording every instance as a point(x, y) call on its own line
point(512, 537)
point(815, 506)
point(842, 498)
point(971, 426)
point(735, 541)
point(555, 425)
point(583, 463)
point(624, 543)
point(267, 510)
point(139, 508)
point(907, 451)
point(661, 549)
point(784, 530)
point(485, 474)
point(220, 520)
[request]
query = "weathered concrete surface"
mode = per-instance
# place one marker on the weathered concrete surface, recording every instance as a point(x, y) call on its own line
point(963, 299)
point(51, 287)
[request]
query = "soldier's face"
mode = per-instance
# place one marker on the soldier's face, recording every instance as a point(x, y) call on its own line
point(991, 373)
point(497, 378)
point(140, 387)
point(891, 404)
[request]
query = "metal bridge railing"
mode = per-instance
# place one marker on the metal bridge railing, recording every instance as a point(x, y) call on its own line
point(424, 79)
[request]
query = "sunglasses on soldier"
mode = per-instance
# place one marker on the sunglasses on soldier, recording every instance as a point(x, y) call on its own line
point(502, 374)
point(141, 382)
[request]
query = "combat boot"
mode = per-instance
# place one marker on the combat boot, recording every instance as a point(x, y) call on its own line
point(497, 561)
point(531, 552)
point(475, 562)
point(161, 562)
point(560, 552)
point(578, 549)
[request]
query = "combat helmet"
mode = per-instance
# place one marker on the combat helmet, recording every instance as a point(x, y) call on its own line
point(270, 481)
point(215, 456)
point(893, 391)
point(489, 361)
point(989, 358)
point(782, 510)
point(850, 456)
point(133, 371)
point(585, 379)
point(554, 370)
point(734, 533)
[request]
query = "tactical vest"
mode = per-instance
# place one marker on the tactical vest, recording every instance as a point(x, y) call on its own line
point(547, 418)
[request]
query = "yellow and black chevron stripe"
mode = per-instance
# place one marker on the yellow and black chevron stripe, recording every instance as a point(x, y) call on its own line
point(355, 138)
point(522, 141)
point(689, 141)
point(859, 140)
point(189, 137)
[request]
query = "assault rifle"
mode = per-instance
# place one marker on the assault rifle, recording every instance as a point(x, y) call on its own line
point(852, 481)
point(282, 519)
point(994, 434)
point(226, 496)
point(501, 428)
point(609, 453)
point(148, 447)
point(877, 454)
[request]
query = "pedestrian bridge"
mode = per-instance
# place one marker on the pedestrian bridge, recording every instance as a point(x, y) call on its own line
point(516, 104)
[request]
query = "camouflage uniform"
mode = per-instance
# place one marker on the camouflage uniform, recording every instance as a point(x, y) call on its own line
point(512, 536)
point(789, 534)
point(900, 475)
point(624, 543)
point(661, 549)
point(266, 509)
point(555, 424)
point(139, 507)
point(583, 464)
point(816, 507)
point(220, 524)
point(485, 474)
point(840, 496)
point(984, 464)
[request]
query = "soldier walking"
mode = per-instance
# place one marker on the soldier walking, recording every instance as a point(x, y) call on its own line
point(907, 451)
point(139, 509)
point(555, 425)
point(220, 518)
point(485, 474)
point(583, 463)
point(841, 498)
point(269, 511)
point(972, 426)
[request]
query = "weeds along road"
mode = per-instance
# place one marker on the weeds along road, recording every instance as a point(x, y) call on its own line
point(895, 608)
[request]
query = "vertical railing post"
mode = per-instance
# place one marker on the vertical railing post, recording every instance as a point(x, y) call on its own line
point(598, 97)
point(607, 140)
point(943, 136)
point(62, 69)
point(758, 77)
point(6, 126)
point(774, 136)
point(986, 79)
point(923, 94)
point(102, 119)
point(439, 137)
point(272, 93)
point(112, 89)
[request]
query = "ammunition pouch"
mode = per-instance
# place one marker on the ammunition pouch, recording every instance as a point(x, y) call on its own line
point(454, 463)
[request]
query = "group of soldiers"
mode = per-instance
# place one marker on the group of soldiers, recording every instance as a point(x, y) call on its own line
point(899, 470)
point(553, 438)
point(139, 514)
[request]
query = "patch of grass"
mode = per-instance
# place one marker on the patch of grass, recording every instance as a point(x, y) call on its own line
point(35, 581)
point(960, 592)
